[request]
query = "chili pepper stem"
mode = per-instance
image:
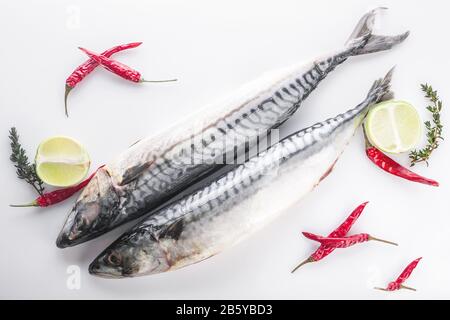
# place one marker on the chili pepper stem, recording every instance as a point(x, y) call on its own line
point(384, 241)
point(401, 287)
point(309, 260)
point(66, 94)
point(156, 81)
point(407, 288)
point(381, 289)
point(32, 204)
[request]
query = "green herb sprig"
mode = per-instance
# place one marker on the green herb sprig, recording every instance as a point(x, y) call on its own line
point(24, 169)
point(434, 128)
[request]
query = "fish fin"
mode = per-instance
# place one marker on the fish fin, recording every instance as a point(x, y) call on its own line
point(132, 173)
point(173, 231)
point(362, 41)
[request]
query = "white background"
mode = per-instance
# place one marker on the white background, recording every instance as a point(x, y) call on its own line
point(213, 47)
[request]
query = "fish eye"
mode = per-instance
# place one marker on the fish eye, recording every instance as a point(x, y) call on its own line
point(114, 258)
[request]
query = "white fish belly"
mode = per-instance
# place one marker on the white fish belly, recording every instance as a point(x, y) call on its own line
point(211, 235)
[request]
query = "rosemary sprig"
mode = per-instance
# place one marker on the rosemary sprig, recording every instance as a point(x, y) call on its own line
point(24, 169)
point(434, 130)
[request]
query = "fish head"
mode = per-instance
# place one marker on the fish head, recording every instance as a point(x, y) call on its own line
point(136, 253)
point(96, 206)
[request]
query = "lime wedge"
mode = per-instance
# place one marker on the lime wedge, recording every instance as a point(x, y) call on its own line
point(393, 126)
point(61, 161)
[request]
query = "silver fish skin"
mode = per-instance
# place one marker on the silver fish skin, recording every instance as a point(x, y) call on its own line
point(238, 203)
point(155, 169)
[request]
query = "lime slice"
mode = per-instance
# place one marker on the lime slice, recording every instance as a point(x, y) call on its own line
point(393, 126)
point(61, 161)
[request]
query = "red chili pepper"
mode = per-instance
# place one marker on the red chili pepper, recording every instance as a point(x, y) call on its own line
point(88, 66)
point(398, 284)
point(340, 231)
point(344, 242)
point(389, 165)
point(119, 68)
point(56, 196)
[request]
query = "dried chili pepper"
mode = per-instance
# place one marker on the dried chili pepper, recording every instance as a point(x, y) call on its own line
point(88, 66)
point(389, 165)
point(340, 231)
point(119, 68)
point(398, 283)
point(57, 196)
point(345, 242)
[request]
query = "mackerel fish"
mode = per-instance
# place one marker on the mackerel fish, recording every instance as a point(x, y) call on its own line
point(155, 169)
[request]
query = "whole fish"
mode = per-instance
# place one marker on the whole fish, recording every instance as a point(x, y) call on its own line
point(238, 203)
point(155, 169)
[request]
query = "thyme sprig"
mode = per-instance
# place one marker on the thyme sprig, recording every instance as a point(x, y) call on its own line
point(434, 128)
point(24, 169)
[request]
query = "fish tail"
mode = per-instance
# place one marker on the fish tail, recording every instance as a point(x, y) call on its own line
point(381, 89)
point(363, 41)
point(379, 92)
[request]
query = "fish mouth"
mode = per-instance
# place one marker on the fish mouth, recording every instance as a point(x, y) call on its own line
point(63, 240)
point(92, 213)
point(66, 236)
point(69, 239)
point(66, 240)
point(98, 270)
point(71, 234)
